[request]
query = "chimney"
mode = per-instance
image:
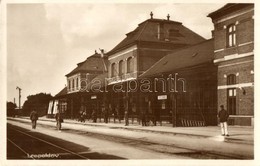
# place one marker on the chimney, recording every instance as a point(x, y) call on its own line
point(168, 17)
point(102, 52)
point(212, 34)
point(151, 14)
point(160, 34)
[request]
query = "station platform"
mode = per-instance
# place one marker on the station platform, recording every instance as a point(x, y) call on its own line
point(237, 134)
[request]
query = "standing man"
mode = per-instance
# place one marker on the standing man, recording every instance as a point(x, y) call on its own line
point(94, 116)
point(59, 120)
point(143, 118)
point(105, 114)
point(117, 114)
point(223, 117)
point(126, 118)
point(34, 118)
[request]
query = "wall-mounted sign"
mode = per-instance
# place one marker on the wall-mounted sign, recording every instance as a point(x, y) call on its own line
point(94, 97)
point(163, 106)
point(162, 97)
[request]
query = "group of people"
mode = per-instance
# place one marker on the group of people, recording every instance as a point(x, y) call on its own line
point(149, 119)
point(222, 115)
point(105, 114)
point(94, 115)
point(82, 116)
point(58, 116)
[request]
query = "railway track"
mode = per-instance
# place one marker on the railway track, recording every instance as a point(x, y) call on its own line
point(148, 145)
point(57, 152)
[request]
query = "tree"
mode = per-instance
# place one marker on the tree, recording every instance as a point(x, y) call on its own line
point(38, 102)
point(10, 108)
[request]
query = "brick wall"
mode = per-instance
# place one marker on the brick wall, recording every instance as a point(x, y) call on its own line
point(242, 67)
point(244, 34)
point(242, 72)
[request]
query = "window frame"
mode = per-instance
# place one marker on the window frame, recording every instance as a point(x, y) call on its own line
point(121, 67)
point(113, 69)
point(231, 94)
point(77, 82)
point(231, 79)
point(231, 35)
point(130, 61)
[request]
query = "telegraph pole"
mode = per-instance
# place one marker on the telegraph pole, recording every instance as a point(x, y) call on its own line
point(19, 96)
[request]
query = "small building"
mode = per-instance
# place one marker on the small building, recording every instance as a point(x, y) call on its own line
point(234, 56)
point(58, 104)
point(78, 81)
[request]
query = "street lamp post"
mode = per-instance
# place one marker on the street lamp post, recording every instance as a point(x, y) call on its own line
point(19, 96)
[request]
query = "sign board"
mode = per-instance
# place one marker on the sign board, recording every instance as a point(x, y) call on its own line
point(94, 97)
point(162, 97)
point(163, 106)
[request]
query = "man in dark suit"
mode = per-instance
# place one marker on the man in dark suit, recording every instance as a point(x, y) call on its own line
point(34, 118)
point(223, 118)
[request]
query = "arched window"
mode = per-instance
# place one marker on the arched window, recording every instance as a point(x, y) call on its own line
point(77, 83)
point(83, 85)
point(231, 79)
point(113, 70)
point(130, 65)
point(121, 68)
point(231, 35)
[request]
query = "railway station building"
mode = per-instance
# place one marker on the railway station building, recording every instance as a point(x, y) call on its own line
point(140, 50)
point(234, 56)
point(171, 74)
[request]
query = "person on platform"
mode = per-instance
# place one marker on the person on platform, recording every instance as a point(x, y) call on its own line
point(84, 115)
point(94, 116)
point(143, 118)
point(105, 112)
point(223, 118)
point(59, 120)
point(34, 118)
point(126, 118)
point(117, 114)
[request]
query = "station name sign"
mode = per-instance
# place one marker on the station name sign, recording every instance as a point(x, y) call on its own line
point(162, 97)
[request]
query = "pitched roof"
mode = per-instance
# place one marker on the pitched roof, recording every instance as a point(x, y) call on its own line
point(62, 92)
point(93, 64)
point(228, 8)
point(101, 78)
point(187, 57)
point(148, 30)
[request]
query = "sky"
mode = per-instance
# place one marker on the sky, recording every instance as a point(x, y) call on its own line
point(46, 41)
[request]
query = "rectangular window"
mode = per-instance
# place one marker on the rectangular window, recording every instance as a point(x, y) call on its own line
point(234, 39)
point(230, 92)
point(230, 40)
point(231, 35)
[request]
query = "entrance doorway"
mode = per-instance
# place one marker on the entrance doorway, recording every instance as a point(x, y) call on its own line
point(231, 101)
point(231, 94)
